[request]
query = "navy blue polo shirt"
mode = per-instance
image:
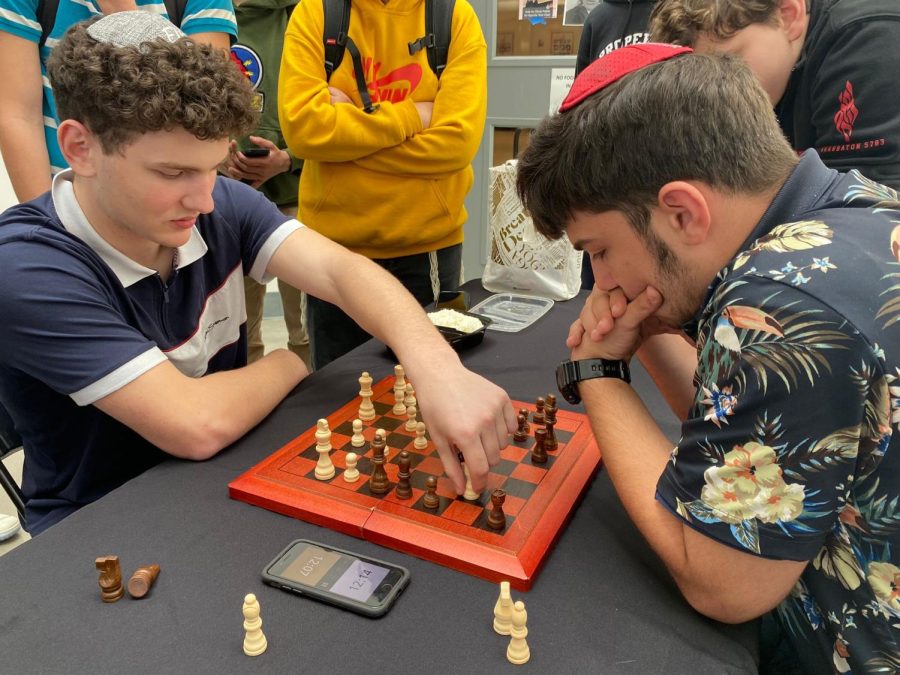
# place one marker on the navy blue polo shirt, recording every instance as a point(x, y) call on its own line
point(791, 449)
point(80, 320)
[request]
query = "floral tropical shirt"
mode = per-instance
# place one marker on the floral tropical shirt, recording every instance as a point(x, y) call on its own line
point(791, 449)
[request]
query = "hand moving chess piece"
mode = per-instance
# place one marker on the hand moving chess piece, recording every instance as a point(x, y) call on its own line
point(469, 492)
point(324, 467)
point(255, 642)
point(496, 519)
point(503, 610)
point(518, 651)
point(110, 578)
point(141, 581)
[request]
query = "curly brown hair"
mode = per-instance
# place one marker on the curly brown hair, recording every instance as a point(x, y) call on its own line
point(120, 93)
point(694, 117)
point(681, 22)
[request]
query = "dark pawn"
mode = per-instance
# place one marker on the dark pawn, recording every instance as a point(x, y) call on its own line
point(404, 490)
point(550, 442)
point(538, 416)
point(539, 451)
point(496, 520)
point(378, 482)
point(524, 413)
point(431, 499)
point(550, 409)
point(522, 432)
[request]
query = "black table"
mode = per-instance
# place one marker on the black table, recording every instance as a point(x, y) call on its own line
point(603, 603)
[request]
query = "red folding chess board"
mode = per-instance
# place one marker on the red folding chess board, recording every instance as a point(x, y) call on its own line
point(539, 498)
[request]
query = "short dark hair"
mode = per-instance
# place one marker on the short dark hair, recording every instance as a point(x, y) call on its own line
point(681, 22)
point(692, 117)
point(121, 92)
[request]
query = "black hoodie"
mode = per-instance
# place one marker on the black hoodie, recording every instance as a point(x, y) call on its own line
point(610, 25)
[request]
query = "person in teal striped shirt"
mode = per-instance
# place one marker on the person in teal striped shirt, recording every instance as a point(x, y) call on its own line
point(28, 116)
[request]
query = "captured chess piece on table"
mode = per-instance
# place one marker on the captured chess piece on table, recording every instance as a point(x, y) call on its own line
point(142, 580)
point(255, 642)
point(110, 578)
point(518, 651)
point(503, 609)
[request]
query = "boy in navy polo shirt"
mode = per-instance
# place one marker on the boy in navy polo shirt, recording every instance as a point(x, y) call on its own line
point(779, 280)
point(123, 335)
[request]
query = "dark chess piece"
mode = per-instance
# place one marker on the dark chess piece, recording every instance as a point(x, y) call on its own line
point(378, 482)
point(539, 451)
point(550, 409)
point(538, 416)
point(496, 520)
point(524, 413)
point(431, 500)
point(550, 442)
point(404, 489)
point(522, 432)
point(110, 578)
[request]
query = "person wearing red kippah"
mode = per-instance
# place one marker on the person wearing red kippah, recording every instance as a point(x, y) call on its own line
point(828, 66)
point(760, 292)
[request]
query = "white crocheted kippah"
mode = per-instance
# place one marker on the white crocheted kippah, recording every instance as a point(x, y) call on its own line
point(130, 29)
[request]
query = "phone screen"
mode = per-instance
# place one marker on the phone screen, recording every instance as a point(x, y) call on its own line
point(337, 573)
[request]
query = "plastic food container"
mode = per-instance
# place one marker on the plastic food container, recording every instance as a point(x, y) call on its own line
point(510, 312)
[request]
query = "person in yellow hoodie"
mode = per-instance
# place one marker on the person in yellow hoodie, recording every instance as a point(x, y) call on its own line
point(390, 183)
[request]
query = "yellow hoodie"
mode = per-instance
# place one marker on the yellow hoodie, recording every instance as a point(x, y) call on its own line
point(379, 183)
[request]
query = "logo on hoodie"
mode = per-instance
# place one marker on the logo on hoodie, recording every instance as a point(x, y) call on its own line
point(846, 115)
point(396, 85)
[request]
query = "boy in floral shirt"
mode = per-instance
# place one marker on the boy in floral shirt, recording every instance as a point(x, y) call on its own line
point(762, 293)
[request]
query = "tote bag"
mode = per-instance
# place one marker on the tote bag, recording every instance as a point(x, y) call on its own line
point(520, 260)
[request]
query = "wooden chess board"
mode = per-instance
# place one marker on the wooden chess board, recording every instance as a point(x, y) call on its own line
point(540, 498)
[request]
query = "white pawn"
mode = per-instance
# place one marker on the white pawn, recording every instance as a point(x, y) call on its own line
point(357, 440)
point(254, 641)
point(411, 418)
point(503, 610)
point(421, 442)
point(399, 406)
point(518, 651)
point(387, 450)
point(366, 409)
point(469, 493)
point(351, 473)
point(410, 396)
point(324, 467)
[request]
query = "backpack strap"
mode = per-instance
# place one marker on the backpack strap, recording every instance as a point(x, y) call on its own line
point(337, 23)
point(438, 22)
point(46, 15)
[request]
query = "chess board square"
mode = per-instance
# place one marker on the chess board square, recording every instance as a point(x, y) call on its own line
point(512, 505)
point(299, 466)
point(339, 459)
point(398, 440)
point(504, 468)
point(339, 481)
point(414, 460)
point(344, 428)
point(431, 465)
point(364, 490)
point(462, 512)
point(387, 423)
point(310, 453)
point(532, 474)
point(562, 435)
point(445, 487)
point(348, 447)
point(427, 450)
point(518, 488)
point(494, 481)
point(381, 408)
point(481, 522)
point(416, 495)
point(443, 503)
point(515, 453)
point(527, 443)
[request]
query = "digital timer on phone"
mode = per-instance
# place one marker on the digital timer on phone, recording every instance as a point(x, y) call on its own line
point(359, 583)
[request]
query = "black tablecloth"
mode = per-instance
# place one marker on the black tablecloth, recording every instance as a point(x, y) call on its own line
point(603, 603)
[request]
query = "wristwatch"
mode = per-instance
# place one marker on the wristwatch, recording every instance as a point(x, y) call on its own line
point(570, 373)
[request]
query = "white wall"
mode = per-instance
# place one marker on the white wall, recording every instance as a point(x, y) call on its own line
point(7, 196)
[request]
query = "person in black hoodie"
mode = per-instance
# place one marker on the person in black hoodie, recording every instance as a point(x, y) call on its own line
point(610, 25)
point(828, 66)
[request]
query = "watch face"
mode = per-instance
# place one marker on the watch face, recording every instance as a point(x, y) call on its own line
point(565, 382)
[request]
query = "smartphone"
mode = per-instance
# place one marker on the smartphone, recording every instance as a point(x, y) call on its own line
point(359, 583)
point(256, 152)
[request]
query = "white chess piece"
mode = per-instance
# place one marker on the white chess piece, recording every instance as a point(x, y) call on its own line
point(324, 467)
point(357, 440)
point(410, 396)
point(399, 380)
point(503, 610)
point(255, 642)
point(421, 442)
point(351, 473)
point(518, 651)
point(399, 406)
point(387, 449)
point(469, 493)
point(411, 413)
point(366, 409)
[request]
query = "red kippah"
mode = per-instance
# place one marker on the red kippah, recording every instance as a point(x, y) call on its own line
point(615, 65)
